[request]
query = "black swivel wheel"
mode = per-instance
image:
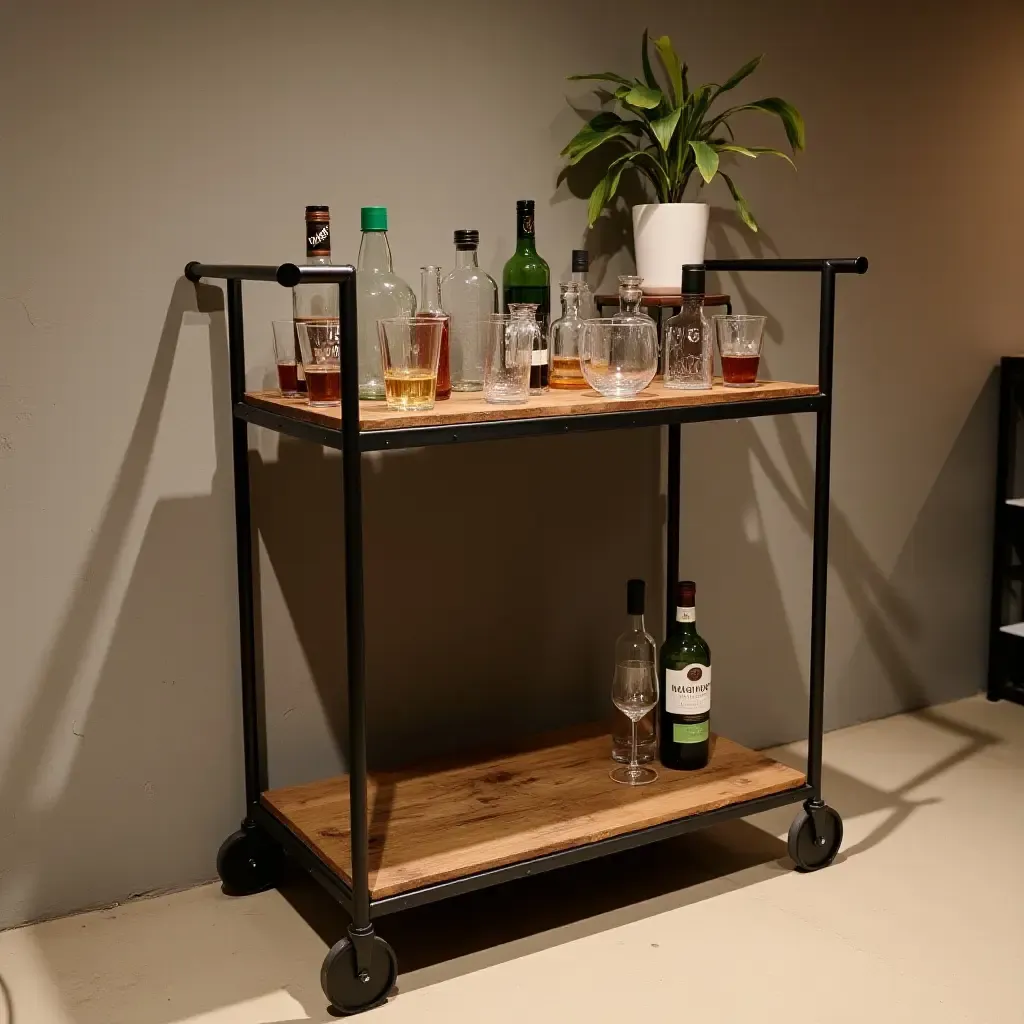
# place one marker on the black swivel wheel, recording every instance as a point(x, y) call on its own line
point(815, 841)
point(351, 991)
point(248, 862)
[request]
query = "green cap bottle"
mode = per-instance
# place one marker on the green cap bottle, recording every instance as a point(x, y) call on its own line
point(374, 218)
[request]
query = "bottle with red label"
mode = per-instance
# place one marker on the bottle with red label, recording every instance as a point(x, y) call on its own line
point(684, 706)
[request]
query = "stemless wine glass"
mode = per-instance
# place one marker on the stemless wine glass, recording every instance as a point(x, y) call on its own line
point(619, 358)
point(635, 694)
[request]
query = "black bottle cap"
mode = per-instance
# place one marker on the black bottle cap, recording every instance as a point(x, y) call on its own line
point(318, 209)
point(635, 597)
point(467, 239)
point(687, 594)
point(693, 279)
point(580, 261)
point(524, 206)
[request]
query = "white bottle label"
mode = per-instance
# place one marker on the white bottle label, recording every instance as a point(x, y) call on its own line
point(688, 690)
point(686, 614)
point(540, 357)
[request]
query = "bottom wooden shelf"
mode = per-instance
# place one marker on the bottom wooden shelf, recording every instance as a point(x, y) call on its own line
point(436, 824)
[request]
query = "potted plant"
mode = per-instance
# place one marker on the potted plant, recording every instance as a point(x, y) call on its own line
point(668, 133)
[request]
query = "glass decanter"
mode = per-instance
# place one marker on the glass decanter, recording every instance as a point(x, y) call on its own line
point(689, 355)
point(380, 293)
point(430, 305)
point(630, 296)
point(470, 296)
point(580, 270)
point(566, 334)
point(524, 324)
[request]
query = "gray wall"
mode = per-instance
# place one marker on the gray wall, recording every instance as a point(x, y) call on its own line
point(136, 138)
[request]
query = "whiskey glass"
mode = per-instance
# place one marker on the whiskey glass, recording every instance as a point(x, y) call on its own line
point(635, 694)
point(508, 359)
point(410, 348)
point(286, 355)
point(320, 349)
point(739, 344)
point(619, 358)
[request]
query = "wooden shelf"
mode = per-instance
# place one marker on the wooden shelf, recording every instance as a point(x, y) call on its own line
point(471, 408)
point(659, 301)
point(436, 824)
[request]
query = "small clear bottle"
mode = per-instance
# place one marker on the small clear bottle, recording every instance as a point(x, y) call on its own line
point(689, 355)
point(380, 293)
point(470, 295)
point(580, 269)
point(566, 334)
point(524, 322)
point(635, 650)
point(630, 296)
point(430, 305)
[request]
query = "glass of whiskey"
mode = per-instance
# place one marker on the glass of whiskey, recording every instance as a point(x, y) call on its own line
point(320, 348)
point(286, 356)
point(739, 344)
point(410, 348)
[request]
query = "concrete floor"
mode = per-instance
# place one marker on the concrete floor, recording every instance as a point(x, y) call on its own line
point(920, 919)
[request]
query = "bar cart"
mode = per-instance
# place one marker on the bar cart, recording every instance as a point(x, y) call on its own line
point(454, 829)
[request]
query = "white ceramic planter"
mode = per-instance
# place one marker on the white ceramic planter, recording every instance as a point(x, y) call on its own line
point(667, 235)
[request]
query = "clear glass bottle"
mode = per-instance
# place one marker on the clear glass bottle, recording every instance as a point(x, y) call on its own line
point(524, 322)
point(566, 334)
point(470, 295)
point(380, 293)
point(689, 355)
point(313, 301)
point(430, 305)
point(630, 296)
point(580, 270)
point(635, 650)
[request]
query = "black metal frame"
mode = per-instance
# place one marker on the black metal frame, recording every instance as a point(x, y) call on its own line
point(352, 442)
point(1006, 650)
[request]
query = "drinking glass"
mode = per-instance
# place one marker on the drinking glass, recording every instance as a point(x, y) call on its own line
point(320, 348)
point(508, 359)
point(410, 347)
point(285, 353)
point(635, 694)
point(739, 344)
point(619, 358)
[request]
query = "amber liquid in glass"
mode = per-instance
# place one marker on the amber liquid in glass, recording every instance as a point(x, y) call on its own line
point(566, 374)
point(323, 384)
point(288, 378)
point(410, 389)
point(444, 364)
point(740, 370)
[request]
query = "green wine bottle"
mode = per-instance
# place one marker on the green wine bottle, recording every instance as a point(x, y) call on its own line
point(684, 704)
point(527, 278)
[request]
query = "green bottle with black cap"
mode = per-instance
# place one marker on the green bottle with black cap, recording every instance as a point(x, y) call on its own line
point(527, 278)
point(380, 293)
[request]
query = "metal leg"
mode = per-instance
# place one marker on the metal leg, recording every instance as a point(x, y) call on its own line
point(252, 725)
point(1001, 546)
point(672, 524)
point(820, 551)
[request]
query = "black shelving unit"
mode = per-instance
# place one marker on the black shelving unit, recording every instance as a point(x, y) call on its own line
point(360, 970)
point(1006, 632)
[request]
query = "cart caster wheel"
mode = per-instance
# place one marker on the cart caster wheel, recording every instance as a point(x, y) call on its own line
point(350, 992)
point(810, 850)
point(248, 862)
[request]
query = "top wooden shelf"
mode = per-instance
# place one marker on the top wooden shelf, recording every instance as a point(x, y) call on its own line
point(467, 417)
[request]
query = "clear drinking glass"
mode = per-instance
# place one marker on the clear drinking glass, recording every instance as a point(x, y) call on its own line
point(619, 358)
point(320, 348)
point(635, 694)
point(410, 347)
point(508, 358)
point(566, 374)
point(284, 354)
point(739, 344)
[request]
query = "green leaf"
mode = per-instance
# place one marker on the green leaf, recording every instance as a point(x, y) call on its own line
point(761, 150)
point(599, 139)
point(786, 113)
point(648, 70)
point(664, 128)
point(597, 125)
point(671, 62)
point(707, 159)
point(741, 204)
point(733, 80)
point(601, 76)
point(726, 147)
point(636, 94)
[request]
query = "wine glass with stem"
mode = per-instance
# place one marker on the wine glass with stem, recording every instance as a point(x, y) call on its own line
point(635, 694)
